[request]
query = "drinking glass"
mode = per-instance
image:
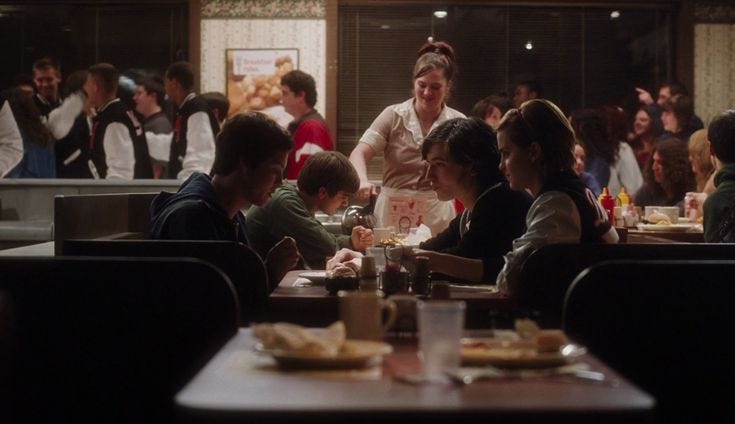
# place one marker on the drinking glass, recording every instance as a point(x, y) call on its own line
point(440, 323)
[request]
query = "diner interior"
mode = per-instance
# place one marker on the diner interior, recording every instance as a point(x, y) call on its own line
point(113, 308)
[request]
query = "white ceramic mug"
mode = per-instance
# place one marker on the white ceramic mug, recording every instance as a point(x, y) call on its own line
point(366, 315)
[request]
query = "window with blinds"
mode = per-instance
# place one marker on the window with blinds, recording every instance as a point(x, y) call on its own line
point(582, 56)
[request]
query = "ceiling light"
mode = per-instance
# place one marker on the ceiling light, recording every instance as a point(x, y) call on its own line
point(441, 14)
point(529, 45)
point(615, 14)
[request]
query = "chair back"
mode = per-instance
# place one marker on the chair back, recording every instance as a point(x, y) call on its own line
point(548, 272)
point(86, 216)
point(665, 325)
point(239, 262)
point(107, 339)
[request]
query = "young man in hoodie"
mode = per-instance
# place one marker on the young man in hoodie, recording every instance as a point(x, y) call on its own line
point(250, 158)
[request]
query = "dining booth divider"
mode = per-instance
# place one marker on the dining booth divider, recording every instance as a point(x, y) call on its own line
point(666, 326)
point(241, 264)
point(106, 339)
point(547, 273)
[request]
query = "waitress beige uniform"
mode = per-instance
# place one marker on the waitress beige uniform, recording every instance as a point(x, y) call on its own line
point(406, 199)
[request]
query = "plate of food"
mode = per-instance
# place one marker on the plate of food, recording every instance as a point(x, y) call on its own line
point(316, 277)
point(668, 227)
point(297, 348)
point(516, 353)
point(351, 355)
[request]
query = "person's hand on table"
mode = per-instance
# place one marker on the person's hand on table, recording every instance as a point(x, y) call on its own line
point(409, 257)
point(282, 258)
point(365, 191)
point(361, 238)
point(345, 257)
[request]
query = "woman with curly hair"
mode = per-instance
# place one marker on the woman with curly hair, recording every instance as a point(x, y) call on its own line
point(668, 176)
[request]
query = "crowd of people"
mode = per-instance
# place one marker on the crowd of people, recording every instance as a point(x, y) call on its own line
point(492, 188)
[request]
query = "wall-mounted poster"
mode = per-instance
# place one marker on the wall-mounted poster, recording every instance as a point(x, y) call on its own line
point(254, 79)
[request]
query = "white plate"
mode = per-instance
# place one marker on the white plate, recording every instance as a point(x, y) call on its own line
point(671, 227)
point(354, 354)
point(316, 277)
point(515, 354)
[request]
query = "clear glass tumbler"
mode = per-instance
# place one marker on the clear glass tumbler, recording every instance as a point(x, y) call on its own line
point(440, 324)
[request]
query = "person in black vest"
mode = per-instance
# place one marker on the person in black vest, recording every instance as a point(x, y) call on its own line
point(117, 142)
point(195, 126)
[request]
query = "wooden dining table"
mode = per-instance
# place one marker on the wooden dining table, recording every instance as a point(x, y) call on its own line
point(314, 306)
point(238, 384)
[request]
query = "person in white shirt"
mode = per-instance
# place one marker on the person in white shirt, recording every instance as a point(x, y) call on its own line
point(195, 126)
point(117, 145)
point(11, 143)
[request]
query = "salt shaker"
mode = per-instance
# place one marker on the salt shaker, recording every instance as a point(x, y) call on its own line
point(420, 281)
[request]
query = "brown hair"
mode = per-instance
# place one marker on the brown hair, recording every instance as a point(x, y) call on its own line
point(436, 55)
point(106, 75)
point(331, 170)
point(678, 175)
point(682, 106)
point(541, 121)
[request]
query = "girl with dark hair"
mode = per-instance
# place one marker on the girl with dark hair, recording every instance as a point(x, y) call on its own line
point(536, 144)
point(398, 133)
point(647, 128)
point(463, 163)
point(38, 160)
point(668, 176)
point(609, 159)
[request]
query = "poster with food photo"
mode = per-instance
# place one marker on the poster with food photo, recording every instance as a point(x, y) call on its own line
point(254, 80)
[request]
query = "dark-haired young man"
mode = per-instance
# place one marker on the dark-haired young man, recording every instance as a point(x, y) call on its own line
point(325, 184)
point(309, 131)
point(718, 208)
point(250, 158)
point(149, 97)
point(526, 90)
point(118, 148)
point(491, 109)
point(195, 126)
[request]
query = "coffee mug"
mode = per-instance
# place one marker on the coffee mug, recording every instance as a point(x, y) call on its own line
point(366, 315)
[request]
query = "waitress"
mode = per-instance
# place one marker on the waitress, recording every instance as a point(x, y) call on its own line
point(406, 199)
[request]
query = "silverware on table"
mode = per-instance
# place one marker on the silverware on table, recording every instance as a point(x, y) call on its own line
point(466, 375)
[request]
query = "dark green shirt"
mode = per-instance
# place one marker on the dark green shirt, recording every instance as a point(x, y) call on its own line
point(718, 204)
point(286, 215)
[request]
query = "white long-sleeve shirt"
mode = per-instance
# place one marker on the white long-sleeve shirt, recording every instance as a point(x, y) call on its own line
point(11, 143)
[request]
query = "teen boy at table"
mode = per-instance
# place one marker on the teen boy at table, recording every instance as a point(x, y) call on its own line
point(250, 157)
point(325, 184)
point(719, 213)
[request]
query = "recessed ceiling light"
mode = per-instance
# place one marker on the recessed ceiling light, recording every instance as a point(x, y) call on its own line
point(529, 45)
point(441, 14)
point(615, 14)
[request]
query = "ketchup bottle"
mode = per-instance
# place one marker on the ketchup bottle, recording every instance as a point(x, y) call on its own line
point(608, 203)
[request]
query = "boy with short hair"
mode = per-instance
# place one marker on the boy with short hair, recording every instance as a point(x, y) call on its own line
point(325, 184)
